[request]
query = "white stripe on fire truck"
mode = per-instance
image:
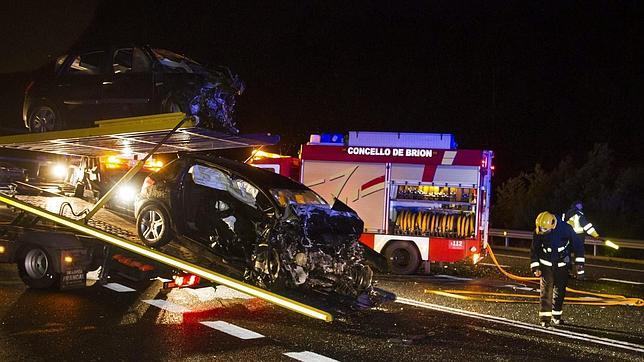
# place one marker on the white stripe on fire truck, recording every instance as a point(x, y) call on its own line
point(448, 157)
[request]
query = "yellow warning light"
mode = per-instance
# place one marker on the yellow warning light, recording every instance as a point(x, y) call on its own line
point(261, 154)
point(2, 249)
point(68, 259)
point(505, 233)
point(611, 244)
point(153, 165)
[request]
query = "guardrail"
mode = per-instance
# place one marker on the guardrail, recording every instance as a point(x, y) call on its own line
point(520, 234)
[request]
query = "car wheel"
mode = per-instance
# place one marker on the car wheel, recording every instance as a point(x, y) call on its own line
point(153, 226)
point(266, 266)
point(44, 118)
point(36, 270)
point(403, 257)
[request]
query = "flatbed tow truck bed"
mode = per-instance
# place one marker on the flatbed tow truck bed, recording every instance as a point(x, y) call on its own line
point(41, 223)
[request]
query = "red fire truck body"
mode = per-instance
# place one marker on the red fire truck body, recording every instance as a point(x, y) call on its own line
point(421, 198)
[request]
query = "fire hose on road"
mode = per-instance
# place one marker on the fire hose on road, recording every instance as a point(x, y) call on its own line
point(592, 298)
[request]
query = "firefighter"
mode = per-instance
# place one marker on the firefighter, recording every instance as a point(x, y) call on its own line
point(550, 259)
point(575, 218)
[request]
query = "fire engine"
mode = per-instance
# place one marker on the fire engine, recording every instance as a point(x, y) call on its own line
point(421, 198)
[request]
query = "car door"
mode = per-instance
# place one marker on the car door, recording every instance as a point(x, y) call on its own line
point(79, 87)
point(128, 88)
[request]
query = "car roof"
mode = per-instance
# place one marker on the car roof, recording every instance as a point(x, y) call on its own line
point(261, 177)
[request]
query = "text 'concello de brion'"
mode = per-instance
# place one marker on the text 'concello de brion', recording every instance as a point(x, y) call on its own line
point(387, 151)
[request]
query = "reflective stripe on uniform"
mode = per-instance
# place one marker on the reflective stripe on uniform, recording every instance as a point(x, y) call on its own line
point(591, 231)
point(534, 264)
point(545, 314)
point(574, 222)
point(561, 264)
point(549, 250)
point(561, 248)
point(580, 260)
point(545, 262)
point(557, 312)
point(588, 226)
point(581, 272)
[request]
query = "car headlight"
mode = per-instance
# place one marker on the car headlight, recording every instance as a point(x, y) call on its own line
point(126, 193)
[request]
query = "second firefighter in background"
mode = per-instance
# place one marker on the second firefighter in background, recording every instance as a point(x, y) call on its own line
point(553, 243)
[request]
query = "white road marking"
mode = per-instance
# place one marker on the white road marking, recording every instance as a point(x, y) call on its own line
point(164, 304)
point(232, 329)
point(568, 334)
point(451, 277)
point(587, 265)
point(119, 287)
point(621, 281)
point(307, 356)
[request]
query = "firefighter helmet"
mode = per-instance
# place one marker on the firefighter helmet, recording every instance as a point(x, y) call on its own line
point(545, 222)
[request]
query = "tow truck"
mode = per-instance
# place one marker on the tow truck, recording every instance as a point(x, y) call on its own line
point(56, 240)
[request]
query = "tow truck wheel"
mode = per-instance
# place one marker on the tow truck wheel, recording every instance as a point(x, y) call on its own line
point(36, 270)
point(153, 225)
point(403, 257)
point(43, 118)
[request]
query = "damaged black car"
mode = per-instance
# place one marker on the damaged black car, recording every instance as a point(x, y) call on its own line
point(276, 232)
point(109, 82)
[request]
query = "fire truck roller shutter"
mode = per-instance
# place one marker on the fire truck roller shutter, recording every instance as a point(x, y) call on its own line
point(419, 221)
point(403, 256)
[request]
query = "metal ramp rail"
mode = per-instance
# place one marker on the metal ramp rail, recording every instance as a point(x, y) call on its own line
point(145, 136)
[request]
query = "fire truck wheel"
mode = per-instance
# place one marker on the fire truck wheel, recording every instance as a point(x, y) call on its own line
point(403, 257)
point(153, 226)
point(35, 268)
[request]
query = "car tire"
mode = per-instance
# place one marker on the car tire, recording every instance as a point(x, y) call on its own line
point(44, 118)
point(154, 226)
point(403, 257)
point(35, 268)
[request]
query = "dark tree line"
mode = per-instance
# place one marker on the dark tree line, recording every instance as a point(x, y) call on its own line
point(613, 196)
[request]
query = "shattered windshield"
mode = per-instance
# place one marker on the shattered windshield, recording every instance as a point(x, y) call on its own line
point(177, 63)
point(299, 197)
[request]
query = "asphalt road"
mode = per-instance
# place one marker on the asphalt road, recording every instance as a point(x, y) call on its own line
point(98, 323)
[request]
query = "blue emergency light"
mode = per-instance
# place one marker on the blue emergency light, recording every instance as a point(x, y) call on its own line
point(332, 138)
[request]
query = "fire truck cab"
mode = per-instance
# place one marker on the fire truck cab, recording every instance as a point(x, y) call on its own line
point(421, 198)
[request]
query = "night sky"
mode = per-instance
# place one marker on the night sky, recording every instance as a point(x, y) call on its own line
point(533, 81)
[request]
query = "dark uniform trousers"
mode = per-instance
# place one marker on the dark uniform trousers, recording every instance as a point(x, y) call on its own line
point(554, 280)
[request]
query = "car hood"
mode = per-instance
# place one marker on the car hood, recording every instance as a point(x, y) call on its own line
point(325, 227)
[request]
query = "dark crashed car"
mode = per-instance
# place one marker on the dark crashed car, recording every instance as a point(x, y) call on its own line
point(125, 81)
point(276, 232)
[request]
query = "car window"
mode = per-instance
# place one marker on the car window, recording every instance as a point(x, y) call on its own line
point(174, 62)
point(300, 197)
point(219, 180)
point(87, 63)
point(127, 60)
